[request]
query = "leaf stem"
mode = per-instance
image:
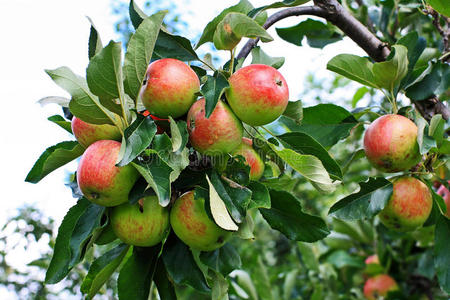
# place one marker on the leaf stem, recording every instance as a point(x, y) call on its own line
point(231, 67)
point(208, 65)
point(268, 131)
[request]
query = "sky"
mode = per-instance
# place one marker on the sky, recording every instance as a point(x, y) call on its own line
point(46, 34)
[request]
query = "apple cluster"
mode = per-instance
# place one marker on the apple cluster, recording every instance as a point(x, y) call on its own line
point(257, 95)
point(391, 146)
point(379, 285)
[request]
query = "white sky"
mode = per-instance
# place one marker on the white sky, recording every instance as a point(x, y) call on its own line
point(46, 34)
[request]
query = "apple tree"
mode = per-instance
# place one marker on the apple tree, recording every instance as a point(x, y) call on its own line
point(208, 181)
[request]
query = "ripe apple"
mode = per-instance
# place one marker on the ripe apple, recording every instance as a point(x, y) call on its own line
point(142, 224)
point(409, 205)
point(258, 94)
point(100, 180)
point(252, 158)
point(372, 259)
point(219, 134)
point(193, 226)
point(86, 133)
point(379, 286)
point(390, 143)
point(445, 193)
point(169, 89)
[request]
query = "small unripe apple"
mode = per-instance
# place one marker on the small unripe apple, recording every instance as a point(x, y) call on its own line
point(409, 205)
point(169, 89)
point(86, 133)
point(379, 286)
point(219, 134)
point(192, 225)
point(258, 94)
point(252, 158)
point(445, 193)
point(390, 143)
point(141, 224)
point(100, 180)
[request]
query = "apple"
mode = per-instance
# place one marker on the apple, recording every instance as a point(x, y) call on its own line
point(258, 94)
point(252, 158)
point(192, 225)
point(86, 133)
point(170, 87)
point(445, 193)
point(219, 134)
point(141, 224)
point(100, 180)
point(390, 143)
point(409, 205)
point(372, 259)
point(379, 286)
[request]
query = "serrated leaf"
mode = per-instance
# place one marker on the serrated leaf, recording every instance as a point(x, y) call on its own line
point(59, 265)
point(95, 43)
point(219, 210)
point(353, 67)
point(294, 111)
point(181, 266)
point(286, 216)
point(223, 260)
point(139, 52)
point(260, 57)
point(64, 102)
point(304, 144)
point(138, 136)
point(366, 203)
point(235, 26)
point(61, 122)
point(278, 4)
point(389, 74)
point(84, 104)
point(101, 270)
point(442, 252)
point(53, 158)
point(260, 195)
point(174, 46)
point(212, 90)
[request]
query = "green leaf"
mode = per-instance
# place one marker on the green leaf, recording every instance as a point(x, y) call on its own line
point(308, 256)
point(326, 123)
point(260, 57)
point(389, 74)
point(104, 74)
point(235, 26)
point(61, 122)
point(294, 111)
point(246, 228)
point(59, 265)
point(278, 4)
point(139, 52)
point(359, 95)
point(353, 67)
point(318, 34)
point(426, 87)
point(309, 166)
point(304, 144)
point(341, 259)
point(101, 270)
point(136, 14)
point(286, 216)
point(426, 142)
point(179, 134)
point(366, 203)
point(181, 266)
point(138, 136)
point(165, 287)
point(62, 101)
point(213, 89)
point(87, 223)
point(219, 289)
point(415, 45)
point(243, 6)
point(437, 128)
point(260, 195)
point(53, 158)
point(174, 46)
point(235, 196)
point(84, 104)
point(136, 275)
point(223, 260)
point(442, 252)
point(441, 6)
point(95, 43)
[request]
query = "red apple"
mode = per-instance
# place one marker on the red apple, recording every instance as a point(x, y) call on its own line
point(251, 157)
point(219, 134)
point(193, 226)
point(409, 206)
point(258, 94)
point(372, 259)
point(379, 286)
point(100, 180)
point(445, 193)
point(170, 88)
point(390, 143)
point(86, 133)
point(142, 224)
